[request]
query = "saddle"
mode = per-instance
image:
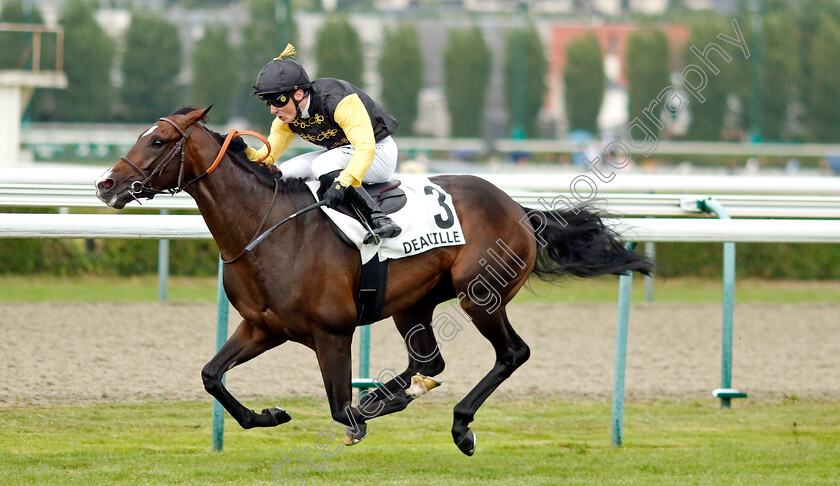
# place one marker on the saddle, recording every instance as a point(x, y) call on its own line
point(387, 194)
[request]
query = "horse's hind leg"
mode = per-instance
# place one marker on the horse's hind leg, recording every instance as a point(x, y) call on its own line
point(247, 342)
point(511, 352)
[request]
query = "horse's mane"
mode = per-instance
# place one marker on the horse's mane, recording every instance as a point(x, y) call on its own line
point(265, 173)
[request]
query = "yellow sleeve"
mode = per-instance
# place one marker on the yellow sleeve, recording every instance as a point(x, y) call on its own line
point(280, 137)
point(353, 118)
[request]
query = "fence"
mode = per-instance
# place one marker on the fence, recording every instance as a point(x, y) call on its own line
point(815, 201)
point(124, 135)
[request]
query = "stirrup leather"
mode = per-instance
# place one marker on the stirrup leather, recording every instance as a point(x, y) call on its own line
point(381, 225)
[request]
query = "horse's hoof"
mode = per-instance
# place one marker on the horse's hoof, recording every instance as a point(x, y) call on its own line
point(420, 385)
point(354, 435)
point(276, 416)
point(466, 443)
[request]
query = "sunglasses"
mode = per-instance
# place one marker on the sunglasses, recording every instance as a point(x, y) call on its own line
point(279, 101)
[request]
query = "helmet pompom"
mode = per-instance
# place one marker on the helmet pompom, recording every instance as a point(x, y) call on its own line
point(282, 74)
point(289, 51)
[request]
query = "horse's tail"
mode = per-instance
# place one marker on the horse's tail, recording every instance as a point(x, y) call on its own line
point(576, 242)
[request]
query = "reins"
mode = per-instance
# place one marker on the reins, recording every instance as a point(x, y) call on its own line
point(139, 187)
point(258, 237)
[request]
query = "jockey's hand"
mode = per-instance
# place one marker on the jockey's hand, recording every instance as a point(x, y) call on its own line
point(237, 145)
point(335, 194)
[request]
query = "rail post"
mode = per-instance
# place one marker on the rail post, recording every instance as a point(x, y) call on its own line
point(221, 337)
point(364, 381)
point(163, 264)
point(625, 288)
point(726, 393)
point(650, 252)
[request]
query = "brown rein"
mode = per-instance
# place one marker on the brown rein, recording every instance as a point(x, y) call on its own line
point(138, 187)
point(230, 136)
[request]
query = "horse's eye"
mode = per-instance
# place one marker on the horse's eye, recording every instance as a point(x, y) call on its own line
point(158, 143)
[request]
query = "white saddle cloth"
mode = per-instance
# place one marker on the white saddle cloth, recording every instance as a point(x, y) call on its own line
point(428, 220)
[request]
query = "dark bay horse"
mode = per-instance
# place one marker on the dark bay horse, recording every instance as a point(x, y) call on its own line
point(299, 284)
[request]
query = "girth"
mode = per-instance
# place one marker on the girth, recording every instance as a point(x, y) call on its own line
point(374, 273)
point(371, 296)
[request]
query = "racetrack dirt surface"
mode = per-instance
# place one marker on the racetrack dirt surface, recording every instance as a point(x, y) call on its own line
point(81, 353)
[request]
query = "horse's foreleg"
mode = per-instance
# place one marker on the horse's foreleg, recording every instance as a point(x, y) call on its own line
point(247, 342)
point(334, 359)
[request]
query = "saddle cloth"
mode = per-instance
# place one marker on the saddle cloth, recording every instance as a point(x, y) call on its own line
point(428, 220)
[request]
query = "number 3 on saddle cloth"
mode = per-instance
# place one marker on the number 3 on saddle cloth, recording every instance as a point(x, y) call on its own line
point(420, 207)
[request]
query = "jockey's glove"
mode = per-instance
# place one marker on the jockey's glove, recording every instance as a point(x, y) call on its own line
point(335, 194)
point(237, 145)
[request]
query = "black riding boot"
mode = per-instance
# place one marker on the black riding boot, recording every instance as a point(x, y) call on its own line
point(381, 224)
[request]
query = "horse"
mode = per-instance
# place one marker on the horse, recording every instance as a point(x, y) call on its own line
point(299, 283)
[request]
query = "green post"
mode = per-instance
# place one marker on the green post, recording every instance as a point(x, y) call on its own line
point(650, 252)
point(757, 75)
point(727, 393)
point(517, 131)
point(221, 337)
point(728, 312)
point(28, 7)
point(364, 358)
point(625, 288)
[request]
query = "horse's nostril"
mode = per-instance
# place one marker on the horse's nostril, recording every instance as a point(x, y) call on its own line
point(106, 184)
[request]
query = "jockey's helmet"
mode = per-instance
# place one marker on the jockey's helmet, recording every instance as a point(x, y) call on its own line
point(281, 75)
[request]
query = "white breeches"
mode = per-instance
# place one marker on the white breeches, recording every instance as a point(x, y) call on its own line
point(312, 165)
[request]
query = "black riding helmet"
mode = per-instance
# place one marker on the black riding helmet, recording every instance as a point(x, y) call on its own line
point(281, 75)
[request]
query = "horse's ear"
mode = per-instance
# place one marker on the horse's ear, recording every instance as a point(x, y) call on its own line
point(196, 116)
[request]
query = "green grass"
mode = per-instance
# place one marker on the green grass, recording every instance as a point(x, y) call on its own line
point(605, 289)
point(523, 442)
point(43, 288)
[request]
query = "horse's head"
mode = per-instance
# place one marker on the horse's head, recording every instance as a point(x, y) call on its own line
point(155, 164)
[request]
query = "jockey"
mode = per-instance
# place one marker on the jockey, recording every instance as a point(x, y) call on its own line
point(354, 130)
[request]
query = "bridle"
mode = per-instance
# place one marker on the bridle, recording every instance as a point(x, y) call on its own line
point(139, 187)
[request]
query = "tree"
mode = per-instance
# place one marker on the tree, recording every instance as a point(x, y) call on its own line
point(583, 77)
point(401, 68)
point(88, 59)
point(525, 71)
point(214, 64)
point(809, 17)
point(707, 116)
point(150, 67)
point(647, 69)
point(263, 40)
point(780, 75)
point(338, 49)
point(467, 61)
point(823, 116)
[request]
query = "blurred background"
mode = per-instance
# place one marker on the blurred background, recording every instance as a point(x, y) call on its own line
point(477, 85)
point(562, 70)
